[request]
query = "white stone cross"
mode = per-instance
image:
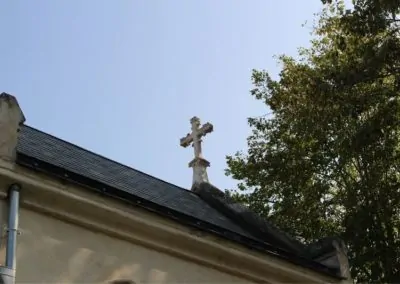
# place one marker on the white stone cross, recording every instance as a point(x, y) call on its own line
point(195, 136)
point(199, 164)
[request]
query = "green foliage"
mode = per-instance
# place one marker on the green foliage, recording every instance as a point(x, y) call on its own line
point(328, 161)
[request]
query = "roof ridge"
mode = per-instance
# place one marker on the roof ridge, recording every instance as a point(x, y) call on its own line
point(106, 158)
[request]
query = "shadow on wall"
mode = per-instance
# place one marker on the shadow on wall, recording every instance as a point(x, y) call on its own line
point(51, 251)
point(122, 282)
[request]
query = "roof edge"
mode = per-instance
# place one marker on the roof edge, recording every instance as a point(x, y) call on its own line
point(326, 253)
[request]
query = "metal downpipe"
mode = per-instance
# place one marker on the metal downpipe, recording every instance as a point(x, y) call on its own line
point(12, 227)
point(7, 272)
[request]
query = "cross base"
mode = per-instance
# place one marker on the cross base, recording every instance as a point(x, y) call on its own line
point(199, 166)
point(199, 162)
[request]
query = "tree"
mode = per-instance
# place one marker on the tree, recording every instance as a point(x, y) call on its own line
point(374, 6)
point(328, 160)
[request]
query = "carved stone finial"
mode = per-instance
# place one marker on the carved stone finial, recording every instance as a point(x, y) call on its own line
point(199, 164)
point(11, 117)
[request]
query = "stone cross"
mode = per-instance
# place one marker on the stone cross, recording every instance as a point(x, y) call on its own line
point(199, 164)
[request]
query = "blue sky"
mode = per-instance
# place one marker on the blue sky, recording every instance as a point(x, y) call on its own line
point(123, 78)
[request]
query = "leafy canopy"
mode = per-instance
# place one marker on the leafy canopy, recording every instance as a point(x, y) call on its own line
point(327, 162)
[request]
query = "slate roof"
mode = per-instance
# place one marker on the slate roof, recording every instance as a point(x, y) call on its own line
point(49, 149)
point(205, 208)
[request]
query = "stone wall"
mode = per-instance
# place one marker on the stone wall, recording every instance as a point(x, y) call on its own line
point(52, 251)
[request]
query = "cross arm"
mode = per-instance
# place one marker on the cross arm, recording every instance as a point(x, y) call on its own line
point(185, 141)
point(207, 128)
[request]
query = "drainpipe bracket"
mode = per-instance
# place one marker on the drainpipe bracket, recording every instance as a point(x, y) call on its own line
point(7, 230)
